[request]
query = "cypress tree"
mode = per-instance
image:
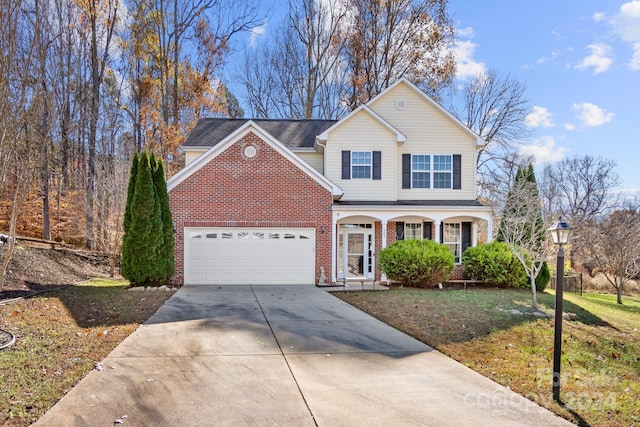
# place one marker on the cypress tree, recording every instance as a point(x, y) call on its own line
point(139, 246)
point(166, 256)
point(126, 222)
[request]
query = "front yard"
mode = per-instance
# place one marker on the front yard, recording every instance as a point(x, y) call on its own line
point(494, 332)
point(59, 336)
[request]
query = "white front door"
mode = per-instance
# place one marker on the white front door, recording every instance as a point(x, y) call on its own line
point(356, 254)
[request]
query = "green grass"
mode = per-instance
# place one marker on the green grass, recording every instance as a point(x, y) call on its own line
point(600, 383)
point(59, 335)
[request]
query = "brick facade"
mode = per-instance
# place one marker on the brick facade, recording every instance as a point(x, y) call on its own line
point(266, 190)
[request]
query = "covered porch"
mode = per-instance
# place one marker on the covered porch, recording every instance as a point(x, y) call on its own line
point(361, 230)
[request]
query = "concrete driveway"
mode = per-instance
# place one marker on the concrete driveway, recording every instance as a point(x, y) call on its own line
point(282, 356)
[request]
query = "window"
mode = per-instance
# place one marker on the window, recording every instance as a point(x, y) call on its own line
point(413, 231)
point(442, 171)
point(420, 171)
point(361, 164)
point(452, 238)
point(431, 171)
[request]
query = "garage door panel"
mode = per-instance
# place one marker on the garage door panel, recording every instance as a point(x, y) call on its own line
point(249, 256)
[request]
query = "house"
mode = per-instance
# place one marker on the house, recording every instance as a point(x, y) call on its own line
point(304, 201)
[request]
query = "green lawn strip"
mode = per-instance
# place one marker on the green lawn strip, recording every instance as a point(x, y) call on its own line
point(494, 332)
point(59, 336)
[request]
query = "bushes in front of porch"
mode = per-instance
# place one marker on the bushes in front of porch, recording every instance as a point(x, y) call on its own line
point(418, 263)
point(495, 265)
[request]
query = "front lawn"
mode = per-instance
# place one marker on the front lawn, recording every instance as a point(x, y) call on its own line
point(494, 332)
point(59, 336)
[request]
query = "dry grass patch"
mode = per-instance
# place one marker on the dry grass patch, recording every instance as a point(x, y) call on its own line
point(494, 332)
point(59, 336)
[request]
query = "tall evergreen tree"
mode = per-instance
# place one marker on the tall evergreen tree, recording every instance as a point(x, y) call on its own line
point(139, 246)
point(166, 256)
point(126, 223)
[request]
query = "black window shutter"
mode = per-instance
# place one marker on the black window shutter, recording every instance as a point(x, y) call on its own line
point(346, 165)
point(377, 165)
point(441, 232)
point(399, 230)
point(426, 230)
point(466, 235)
point(457, 171)
point(406, 171)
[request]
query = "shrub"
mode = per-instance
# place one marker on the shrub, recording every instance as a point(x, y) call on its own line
point(419, 263)
point(494, 264)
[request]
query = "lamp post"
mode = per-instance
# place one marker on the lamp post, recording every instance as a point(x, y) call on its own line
point(560, 234)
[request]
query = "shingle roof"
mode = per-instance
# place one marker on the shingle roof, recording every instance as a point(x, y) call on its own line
point(291, 133)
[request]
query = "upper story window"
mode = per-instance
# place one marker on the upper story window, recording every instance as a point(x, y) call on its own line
point(420, 171)
point(442, 171)
point(431, 171)
point(361, 164)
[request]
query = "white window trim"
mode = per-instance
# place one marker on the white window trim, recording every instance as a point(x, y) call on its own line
point(421, 171)
point(458, 243)
point(352, 165)
point(418, 228)
point(432, 172)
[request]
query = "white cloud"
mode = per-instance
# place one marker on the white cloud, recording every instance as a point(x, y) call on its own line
point(539, 117)
point(256, 32)
point(600, 59)
point(626, 25)
point(591, 115)
point(569, 126)
point(466, 66)
point(598, 16)
point(544, 59)
point(544, 150)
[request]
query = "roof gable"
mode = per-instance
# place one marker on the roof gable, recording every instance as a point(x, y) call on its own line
point(400, 137)
point(429, 101)
point(234, 137)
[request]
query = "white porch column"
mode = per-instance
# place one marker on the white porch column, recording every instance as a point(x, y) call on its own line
point(474, 234)
point(384, 233)
point(437, 232)
point(334, 244)
point(383, 277)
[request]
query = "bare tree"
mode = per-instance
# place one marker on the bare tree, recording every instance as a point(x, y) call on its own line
point(394, 39)
point(19, 113)
point(522, 228)
point(495, 107)
point(580, 190)
point(298, 73)
point(612, 244)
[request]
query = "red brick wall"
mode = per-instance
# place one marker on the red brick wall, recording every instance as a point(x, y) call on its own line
point(263, 191)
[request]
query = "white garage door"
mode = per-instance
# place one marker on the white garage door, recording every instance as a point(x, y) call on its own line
point(239, 256)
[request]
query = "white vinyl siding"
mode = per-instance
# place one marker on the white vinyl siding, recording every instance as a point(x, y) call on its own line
point(363, 133)
point(191, 154)
point(314, 159)
point(430, 131)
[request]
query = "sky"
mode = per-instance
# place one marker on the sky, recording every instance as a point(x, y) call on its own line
point(580, 61)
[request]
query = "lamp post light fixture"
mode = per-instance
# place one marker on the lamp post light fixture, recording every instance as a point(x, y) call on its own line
point(560, 234)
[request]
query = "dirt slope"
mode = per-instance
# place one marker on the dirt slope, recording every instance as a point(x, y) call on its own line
point(34, 269)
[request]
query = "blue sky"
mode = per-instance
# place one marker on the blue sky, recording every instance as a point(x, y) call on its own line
point(580, 60)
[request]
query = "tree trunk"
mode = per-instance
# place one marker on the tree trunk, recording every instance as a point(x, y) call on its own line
point(619, 293)
point(534, 296)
